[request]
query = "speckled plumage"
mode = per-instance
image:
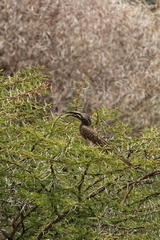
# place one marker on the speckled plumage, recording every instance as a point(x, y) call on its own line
point(86, 130)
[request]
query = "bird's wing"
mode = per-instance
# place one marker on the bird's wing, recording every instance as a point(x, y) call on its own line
point(91, 135)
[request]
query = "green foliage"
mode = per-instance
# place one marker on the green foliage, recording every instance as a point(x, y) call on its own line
point(55, 186)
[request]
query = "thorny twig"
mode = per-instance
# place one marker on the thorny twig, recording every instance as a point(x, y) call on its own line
point(148, 175)
point(79, 185)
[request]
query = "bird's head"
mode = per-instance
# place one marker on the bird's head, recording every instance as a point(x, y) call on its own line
point(83, 117)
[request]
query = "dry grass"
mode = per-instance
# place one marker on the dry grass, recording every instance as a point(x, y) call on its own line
point(115, 44)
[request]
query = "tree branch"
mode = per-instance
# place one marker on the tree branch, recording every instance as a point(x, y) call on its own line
point(148, 175)
point(49, 225)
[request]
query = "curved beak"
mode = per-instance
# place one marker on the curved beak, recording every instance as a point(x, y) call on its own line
point(76, 114)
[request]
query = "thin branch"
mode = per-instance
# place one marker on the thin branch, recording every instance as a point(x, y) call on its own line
point(79, 185)
point(34, 90)
point(94, 183)
point(49, 225)
point(148, 175)
point(123, 158)
point(21, 217)
point(99, 190)
point(148, 197)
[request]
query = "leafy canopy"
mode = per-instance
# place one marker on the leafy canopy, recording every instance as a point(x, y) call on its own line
point(54, 185)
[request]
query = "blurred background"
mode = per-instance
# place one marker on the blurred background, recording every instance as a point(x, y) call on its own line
point(105, 51)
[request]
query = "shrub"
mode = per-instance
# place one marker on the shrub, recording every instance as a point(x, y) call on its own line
point(53, 185)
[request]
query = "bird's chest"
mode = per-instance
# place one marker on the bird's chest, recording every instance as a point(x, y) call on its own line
point(87, 132)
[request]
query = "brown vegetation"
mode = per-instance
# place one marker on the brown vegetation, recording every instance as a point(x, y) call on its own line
point(112, 43)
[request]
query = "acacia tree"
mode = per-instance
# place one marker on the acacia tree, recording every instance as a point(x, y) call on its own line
point(53, 185)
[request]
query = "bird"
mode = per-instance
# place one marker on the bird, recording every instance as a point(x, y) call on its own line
point(86, 130)
point(88, 133)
